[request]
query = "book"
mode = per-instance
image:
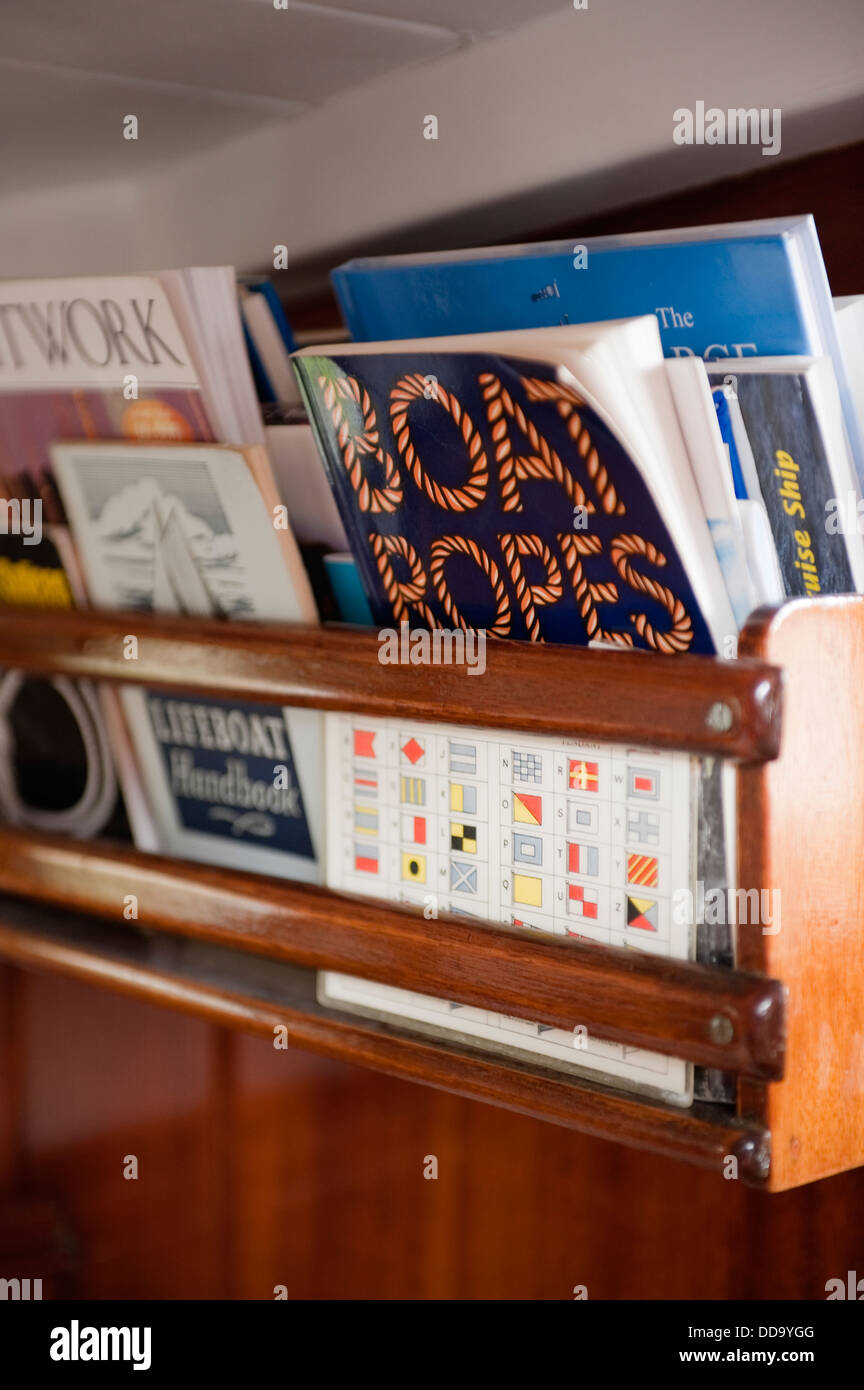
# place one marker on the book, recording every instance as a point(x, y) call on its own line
point(740, 289)
point(56, 763)
point(560, 837)
point(535, 485)
point(303, 486)
point(89, 357)
point(701, 430)
point(161, 357)
point(350, 596)
point(270, 347)
point(189, 529)
point(795, 460)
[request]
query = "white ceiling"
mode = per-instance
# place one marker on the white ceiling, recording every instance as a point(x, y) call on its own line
point(199, 72)
point(304, 127)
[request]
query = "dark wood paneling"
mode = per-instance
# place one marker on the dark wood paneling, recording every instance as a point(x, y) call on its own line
point(263, 997)
point(291, 1169)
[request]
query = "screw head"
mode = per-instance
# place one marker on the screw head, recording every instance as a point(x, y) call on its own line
point(720, 717)
point(721, 1029)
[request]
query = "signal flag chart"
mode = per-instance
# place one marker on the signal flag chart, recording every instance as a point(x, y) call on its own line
point(561, 837)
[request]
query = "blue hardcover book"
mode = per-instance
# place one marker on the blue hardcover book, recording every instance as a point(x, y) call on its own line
point(534, 485)
point(738, 290)
point(263, 387)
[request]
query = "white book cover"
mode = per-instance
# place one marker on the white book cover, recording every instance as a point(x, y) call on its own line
point(187, 529)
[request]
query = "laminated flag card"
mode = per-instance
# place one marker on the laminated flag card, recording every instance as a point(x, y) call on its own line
point(571, 838)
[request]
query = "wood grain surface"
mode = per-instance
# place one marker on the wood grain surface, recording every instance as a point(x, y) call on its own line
point(802, 836)
point(627, 996)
point(618, 696)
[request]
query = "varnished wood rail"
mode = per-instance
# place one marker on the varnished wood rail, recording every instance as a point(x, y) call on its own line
point(714, 1016)
point(696, 704)
point(235, 990)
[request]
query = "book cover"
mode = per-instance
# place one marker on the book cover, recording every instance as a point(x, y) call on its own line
point(187, 529)
point(794, 478)
point(89, 358)
point(737, 290)
point(487, 490)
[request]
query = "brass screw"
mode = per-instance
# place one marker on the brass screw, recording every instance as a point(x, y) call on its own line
point(721, 1030)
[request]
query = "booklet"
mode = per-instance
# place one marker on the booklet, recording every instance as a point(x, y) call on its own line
point(535, 485)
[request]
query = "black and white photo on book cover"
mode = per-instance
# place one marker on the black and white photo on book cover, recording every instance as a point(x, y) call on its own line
point(186, 529)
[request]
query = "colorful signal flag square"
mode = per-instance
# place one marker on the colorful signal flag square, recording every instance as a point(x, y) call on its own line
point(582, 776)
point(644, 826)
point(414, 829)
point(413, 867)
point(365, 783)
point(528, 890)
point(583, 859)
point(463, 798)
point(527, 849)
point(528, 810)
point(366, 859)
point(365, 820)
point(414, 751)
point(527, 767)
point(583, 817)
point(642, 869)
point(412, 791)
point(463, 838)
point(582, 901)
point(642, 781)
point(364, 743)
point(463, 759)
point(642, 913)
point(463, 877)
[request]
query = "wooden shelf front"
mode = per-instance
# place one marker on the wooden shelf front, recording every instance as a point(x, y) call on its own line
point(617, 696)
point(630, 997)
point(790, 711)
point(240, 991)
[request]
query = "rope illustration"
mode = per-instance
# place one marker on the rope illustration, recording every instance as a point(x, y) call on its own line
point(401, 593)
point(354, 446)
point(459, 499)
point(589, 594)
point(529, 594)
point(566, 401)
point(543, 463)
point(681, 634)
point(438, 553)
